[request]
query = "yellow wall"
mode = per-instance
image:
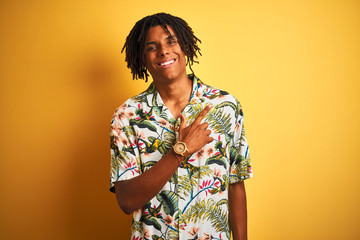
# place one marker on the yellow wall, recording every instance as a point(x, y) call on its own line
point(294, 65)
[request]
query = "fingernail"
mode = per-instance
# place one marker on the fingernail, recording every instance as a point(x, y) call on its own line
point(209, 106)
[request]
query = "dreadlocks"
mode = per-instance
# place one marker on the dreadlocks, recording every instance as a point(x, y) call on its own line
point(135, 42)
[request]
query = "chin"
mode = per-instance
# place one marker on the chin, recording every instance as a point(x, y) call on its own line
point(166, 77)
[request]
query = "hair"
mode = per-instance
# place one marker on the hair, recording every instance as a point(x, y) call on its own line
point(135, 42)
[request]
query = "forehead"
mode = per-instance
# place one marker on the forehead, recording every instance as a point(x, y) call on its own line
point(159, 33)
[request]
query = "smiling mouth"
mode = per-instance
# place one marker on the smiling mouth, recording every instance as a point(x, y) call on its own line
point(167, 63)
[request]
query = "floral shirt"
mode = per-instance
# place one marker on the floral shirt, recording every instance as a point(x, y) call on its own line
point(193, 204)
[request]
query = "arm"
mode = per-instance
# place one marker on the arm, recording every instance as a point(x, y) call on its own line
point(237, 210)
point(132, 194)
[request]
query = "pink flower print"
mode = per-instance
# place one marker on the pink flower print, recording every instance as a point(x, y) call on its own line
point(204, 185)
point(237, 127)
point(128, 165)
point(162, 122)
point(121, 115)
point(130, 114)
point(116, 126)
point(133, 161)
point(217, 173)
point(210, 151)
point(193, 231)
point(169, 220)
point(116, 140)
point(147, 233)
point(140, 134)
point(124, 141)
point(121, 108)
point(200, 153)
point(206, 236)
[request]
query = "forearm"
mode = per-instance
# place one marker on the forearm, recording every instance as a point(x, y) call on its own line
point(238, 211)
point(132, 194)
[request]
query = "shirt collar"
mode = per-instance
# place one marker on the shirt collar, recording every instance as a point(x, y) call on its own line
point(154, 98)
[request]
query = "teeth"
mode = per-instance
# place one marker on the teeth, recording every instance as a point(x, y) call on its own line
point(166, 63)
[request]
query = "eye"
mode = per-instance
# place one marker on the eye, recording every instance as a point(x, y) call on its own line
point(171, 42)
point(150, 48)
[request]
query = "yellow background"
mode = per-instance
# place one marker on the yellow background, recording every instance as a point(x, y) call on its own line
point(294, 66)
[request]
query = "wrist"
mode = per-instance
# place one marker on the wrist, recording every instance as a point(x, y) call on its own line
point(179, 158)
point(180, 148)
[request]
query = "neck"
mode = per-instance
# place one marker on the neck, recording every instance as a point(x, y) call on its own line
point(175, 92)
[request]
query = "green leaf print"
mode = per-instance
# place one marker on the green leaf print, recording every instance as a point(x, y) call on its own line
point(167, 142)
point(152, 222)
point(142, 124)
point(217, 160)
point(219, 121)
point(186, 182)
point(169, 201)
point(210, 211)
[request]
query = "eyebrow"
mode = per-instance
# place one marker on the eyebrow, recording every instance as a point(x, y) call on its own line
point(169, 37)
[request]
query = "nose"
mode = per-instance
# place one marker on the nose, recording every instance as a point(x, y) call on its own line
point(163, 50)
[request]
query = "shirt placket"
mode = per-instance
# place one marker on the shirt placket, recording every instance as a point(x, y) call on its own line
point(183, 201)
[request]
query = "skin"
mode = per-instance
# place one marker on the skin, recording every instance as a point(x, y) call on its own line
point(237, 211)
point(170, 80)
point(175, 89)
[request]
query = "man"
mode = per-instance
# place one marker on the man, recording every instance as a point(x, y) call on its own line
point(179, 153)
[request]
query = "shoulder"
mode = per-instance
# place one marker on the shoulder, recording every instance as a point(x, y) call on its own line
point(216, 95)
point(130, 108)
point(220, 98)
point(138, 100)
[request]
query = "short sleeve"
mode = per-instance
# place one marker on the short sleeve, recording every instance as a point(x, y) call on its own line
point(240, 163)
point(123, 151)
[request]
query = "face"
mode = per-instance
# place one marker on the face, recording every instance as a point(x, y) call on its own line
point(164, 58)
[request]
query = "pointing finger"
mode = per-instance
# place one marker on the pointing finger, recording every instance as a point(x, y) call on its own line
point(202, 114)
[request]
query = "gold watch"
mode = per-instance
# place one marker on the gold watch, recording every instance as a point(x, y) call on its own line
point(180, 148)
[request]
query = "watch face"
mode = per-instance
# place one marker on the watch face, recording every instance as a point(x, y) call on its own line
point(179, 148)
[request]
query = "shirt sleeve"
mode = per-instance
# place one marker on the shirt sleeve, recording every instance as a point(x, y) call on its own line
point(240, 163)
point(123, 150)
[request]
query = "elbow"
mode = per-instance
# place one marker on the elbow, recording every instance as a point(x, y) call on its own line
point(126, 201)
point(126, 208)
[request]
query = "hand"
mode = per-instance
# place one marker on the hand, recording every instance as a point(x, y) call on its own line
point(197, 134)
